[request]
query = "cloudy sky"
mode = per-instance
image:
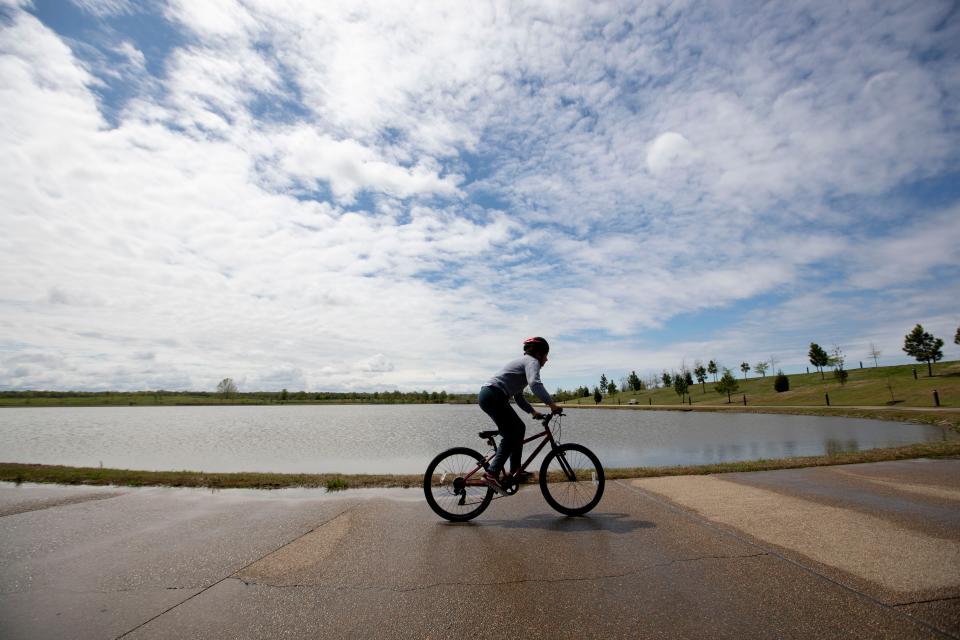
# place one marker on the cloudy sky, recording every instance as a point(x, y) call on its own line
point(325, 195)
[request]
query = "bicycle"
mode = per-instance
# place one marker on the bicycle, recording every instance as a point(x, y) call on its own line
point(571, 477)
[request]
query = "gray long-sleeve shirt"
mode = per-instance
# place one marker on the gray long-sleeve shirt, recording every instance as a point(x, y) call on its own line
point(516, 375)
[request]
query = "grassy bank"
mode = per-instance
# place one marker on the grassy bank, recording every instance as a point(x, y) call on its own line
point(14, 472)
point(870, 386)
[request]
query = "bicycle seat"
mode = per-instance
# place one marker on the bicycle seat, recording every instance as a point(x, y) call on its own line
point(488, 434)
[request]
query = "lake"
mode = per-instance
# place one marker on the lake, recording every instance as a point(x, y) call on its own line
point(404, 438)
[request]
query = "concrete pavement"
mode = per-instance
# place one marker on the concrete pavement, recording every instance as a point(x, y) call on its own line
point(861, 551)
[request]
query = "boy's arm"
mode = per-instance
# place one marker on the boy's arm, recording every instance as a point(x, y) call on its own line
point(522, 402)
point(537, 388)
point(533, 380)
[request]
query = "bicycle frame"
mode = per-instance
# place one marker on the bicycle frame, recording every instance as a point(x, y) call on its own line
point(547, 436)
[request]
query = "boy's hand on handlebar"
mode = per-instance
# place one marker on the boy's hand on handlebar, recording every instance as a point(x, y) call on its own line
point(536, 415)
point(555, 409)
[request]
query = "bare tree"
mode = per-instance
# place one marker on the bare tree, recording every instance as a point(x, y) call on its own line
point(227, 388)
point(875, 353)
point(773, 363)
point(761, 368)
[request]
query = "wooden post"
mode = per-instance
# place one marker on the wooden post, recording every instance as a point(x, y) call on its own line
point(744, 399)
point(827, 396)
point(650, 401)
point(936, 398)
point(914, 373)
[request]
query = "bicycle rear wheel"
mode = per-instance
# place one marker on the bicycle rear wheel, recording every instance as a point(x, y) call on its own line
point(448, 491)
point(571, 479)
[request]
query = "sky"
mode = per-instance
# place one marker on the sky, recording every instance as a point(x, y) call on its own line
point(390, 195)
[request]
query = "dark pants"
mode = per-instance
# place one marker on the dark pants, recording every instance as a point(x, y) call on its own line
point(497, 405)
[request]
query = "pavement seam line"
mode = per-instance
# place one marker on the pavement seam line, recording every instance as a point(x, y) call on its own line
point(810, 570)
point(943, 599)
point(232, 574)
point(501, 583)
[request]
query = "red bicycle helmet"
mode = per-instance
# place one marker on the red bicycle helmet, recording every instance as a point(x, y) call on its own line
point(536, 345)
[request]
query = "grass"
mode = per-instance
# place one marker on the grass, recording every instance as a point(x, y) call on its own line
point(42, 473)
point(16, 472)
point(865, 387)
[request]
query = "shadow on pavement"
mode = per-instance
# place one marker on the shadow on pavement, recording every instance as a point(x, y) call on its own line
point(612, 522)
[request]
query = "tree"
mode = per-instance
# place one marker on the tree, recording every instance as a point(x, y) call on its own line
point(688, 378)
point(667, 379)
point(728, 384)
point(923, 346)
point(680, 386)
point(712, 369)
point(837, 360)
point(744, 366)
point(612, 388)
point(597, 397)
point(634, 381)
point(875, 353)
point(701, 372)
point(818, 357)
point(227, 388)
point(761, 367)
point(781, 383)
point(603, 382)
point(956, 336)
point(773, 364)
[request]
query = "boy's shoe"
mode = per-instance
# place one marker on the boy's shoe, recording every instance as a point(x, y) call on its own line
point(492, 482)
point(523, 477)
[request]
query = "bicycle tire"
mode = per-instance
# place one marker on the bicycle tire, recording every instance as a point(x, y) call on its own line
point(579, 496)
point(442, 496)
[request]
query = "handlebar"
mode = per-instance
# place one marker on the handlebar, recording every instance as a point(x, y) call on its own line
point(546, 418)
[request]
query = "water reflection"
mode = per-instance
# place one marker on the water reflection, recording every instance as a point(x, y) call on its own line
point(403, 439)
point(833, 446)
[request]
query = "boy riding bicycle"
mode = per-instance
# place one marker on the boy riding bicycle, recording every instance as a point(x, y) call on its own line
point(494, 399)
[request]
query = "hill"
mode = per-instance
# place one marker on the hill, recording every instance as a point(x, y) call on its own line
point(870, 386)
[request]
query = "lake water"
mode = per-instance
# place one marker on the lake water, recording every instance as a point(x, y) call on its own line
point(404, 438)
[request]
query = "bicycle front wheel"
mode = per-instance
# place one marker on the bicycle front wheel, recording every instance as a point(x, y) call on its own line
point(454, 487)
point(571, 479)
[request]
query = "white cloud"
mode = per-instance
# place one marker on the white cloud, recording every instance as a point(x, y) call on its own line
point(668, 151)
point(310, 158)
point(376, 364)
point(562, 170)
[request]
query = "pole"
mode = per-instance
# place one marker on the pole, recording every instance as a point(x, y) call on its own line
point(936, 398)
point(744, 399)
point(827, 396)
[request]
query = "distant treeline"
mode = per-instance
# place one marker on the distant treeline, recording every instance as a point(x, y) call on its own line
point(163, 396)
point(259, 397)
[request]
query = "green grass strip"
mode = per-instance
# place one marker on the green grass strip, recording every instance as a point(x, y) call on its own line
point(40, 473)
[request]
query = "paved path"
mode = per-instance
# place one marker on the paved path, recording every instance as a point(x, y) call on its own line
point(864, 551)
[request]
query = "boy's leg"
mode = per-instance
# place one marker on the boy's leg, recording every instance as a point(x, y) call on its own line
point(496, 405)
point(516, 453)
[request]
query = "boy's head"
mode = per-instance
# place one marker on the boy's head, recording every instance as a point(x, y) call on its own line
point(537, 347)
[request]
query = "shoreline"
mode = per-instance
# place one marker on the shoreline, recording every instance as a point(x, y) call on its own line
point(95, 476)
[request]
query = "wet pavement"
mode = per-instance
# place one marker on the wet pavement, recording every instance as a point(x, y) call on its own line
point(864, 551)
